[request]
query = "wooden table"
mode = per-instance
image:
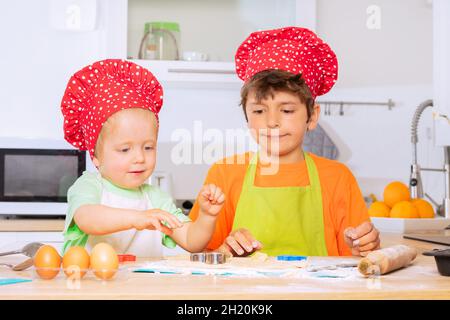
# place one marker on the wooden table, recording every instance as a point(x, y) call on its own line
point(419, 281)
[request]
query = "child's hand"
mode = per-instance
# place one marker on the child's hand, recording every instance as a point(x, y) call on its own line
point(154, 219)
point(240, 242)
point(211, 199)
point(362, 239)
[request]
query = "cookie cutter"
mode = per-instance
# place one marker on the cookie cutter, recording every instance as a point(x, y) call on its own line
point(198, 257)
point(209, 257)
point(291, 258)
point(215, 258)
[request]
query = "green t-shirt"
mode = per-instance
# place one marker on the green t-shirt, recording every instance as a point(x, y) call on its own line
point(88, 188)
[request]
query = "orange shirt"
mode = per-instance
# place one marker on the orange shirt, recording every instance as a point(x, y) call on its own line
point(343, 204)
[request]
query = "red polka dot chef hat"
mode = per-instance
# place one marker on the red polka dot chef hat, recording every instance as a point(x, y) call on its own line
point(97, 91)
point(293, 49)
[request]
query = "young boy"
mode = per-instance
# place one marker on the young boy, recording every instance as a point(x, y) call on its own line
point(111, 109)
point(282, 200)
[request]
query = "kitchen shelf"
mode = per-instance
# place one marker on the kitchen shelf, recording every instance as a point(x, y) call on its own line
point(215, 28)
point(208, 74)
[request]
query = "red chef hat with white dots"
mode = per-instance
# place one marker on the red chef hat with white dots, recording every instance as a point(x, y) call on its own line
point(97, 91)
point(293, 49)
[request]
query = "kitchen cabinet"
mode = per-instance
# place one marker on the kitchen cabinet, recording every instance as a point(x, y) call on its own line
point(185, 74)
point(15, 233)
point(16, 240)
point(203, 25)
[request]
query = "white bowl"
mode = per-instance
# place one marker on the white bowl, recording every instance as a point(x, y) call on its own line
point(402, 225)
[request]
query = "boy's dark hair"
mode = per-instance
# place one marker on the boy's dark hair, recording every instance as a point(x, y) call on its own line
point(268, 82)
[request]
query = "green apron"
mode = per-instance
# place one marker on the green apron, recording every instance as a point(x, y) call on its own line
point(286, 220)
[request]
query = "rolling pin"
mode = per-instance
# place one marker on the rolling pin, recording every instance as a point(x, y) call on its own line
point(386, 260)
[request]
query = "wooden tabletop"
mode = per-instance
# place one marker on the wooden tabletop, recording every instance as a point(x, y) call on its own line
point(31, 225)
point(421, 280)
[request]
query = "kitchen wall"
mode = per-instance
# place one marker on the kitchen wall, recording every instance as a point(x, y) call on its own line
point(395, 51)
point(393, 62)
point(373, 141)
point(39, 55)
point(375, 65)
point(378, 60)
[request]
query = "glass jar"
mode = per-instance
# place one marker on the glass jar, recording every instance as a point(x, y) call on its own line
point(161, 41)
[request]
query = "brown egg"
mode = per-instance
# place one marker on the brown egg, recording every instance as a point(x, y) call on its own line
point(76, 262)
point(47, 262)
point(104, 261)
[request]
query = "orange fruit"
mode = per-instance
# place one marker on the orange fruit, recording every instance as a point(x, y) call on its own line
point(379, 209)
point(395, 192)
point(424, 208)
point(404, 209)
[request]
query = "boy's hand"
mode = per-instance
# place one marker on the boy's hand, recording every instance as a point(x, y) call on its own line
point(154, 219)
point(362, 239)
point(240, 242)
point(211, 199)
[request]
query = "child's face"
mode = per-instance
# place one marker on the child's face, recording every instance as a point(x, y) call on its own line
point(279, 123)
point(126, 151)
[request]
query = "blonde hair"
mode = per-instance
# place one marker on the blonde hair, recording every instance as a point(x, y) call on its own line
point(108, 127)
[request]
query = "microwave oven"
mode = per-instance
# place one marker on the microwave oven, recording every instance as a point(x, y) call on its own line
point(35, 175)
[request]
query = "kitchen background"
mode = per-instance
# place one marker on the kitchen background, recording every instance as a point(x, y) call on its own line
point(384, 48)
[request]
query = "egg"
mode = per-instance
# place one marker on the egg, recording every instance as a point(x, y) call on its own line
point(47, 262)
point(76, 262)
point(104, 261)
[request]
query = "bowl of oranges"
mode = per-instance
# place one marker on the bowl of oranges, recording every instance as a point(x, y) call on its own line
point(399, 213)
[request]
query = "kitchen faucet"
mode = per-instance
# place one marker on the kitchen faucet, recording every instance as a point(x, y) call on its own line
point(415, 181)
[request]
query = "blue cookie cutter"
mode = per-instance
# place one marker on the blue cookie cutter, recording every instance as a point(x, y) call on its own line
point(291, 258)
